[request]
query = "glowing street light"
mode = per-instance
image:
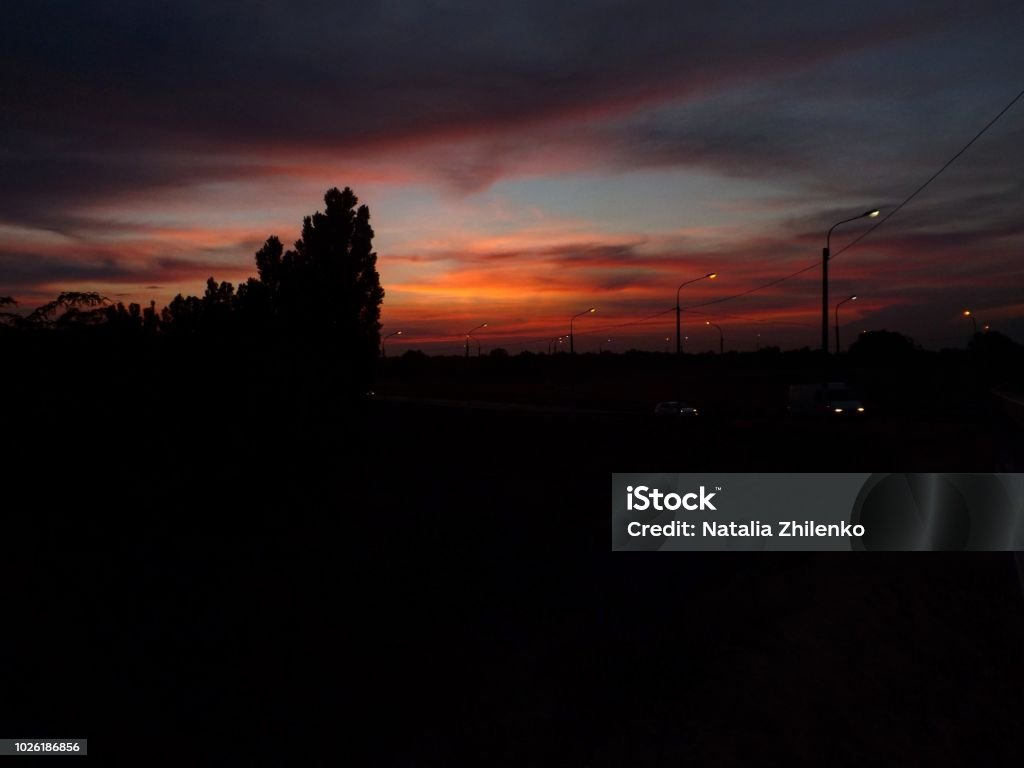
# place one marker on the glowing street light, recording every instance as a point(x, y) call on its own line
point(848, 298)
point(708, 276)
point(825, 255)
point(974, 323)
point(469, 335)
point(384, 341)
point(572, 348)
point(721, 336)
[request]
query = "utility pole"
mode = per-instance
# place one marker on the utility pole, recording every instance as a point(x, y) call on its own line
point(824, 299)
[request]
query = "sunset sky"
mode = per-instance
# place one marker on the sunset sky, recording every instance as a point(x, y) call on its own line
point(525, 161)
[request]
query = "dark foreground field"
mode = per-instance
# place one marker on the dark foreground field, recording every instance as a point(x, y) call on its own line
point(198, 576)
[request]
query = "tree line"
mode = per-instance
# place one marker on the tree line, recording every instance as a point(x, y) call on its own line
point(323, 296)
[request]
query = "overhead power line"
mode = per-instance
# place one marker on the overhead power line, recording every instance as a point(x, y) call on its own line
point(932, 178)
point(815, 264)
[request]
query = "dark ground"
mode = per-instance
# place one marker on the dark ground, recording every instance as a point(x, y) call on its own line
point(182, 561)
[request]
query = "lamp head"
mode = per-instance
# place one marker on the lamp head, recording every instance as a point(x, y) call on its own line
point(872, 213)
point(711, 275)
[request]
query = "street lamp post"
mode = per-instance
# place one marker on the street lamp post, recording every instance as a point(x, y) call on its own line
point(825, 255)
point(572, 347)
point(721, 336)
point(974, 323)
point(708, 276)
point(384, 341)
point(848, 298)
point(469, 335)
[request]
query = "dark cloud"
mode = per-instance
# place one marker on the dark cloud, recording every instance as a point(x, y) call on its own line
point(103, 99)
point(22, 269)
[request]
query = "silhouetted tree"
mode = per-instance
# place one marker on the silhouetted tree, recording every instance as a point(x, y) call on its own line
point(9, 317)
point(268, 263)
point(123, 319)
point(217, 308)
point(998, 356)
point(183, 316)
point(326, 291)
point(254, 307)
point(131, 321)
point(881, 346)
point(70, 308)
point(150, 319)
point(994, 343)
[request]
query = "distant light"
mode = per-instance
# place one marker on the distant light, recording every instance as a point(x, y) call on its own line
point(707, 322)
point(712, 275)
point(484, 325)
point(967, 313)
point(592, 309)
point(839, 410)
point(398, 333)
point(853, 298)
point(872, 214)
point(860, 410)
